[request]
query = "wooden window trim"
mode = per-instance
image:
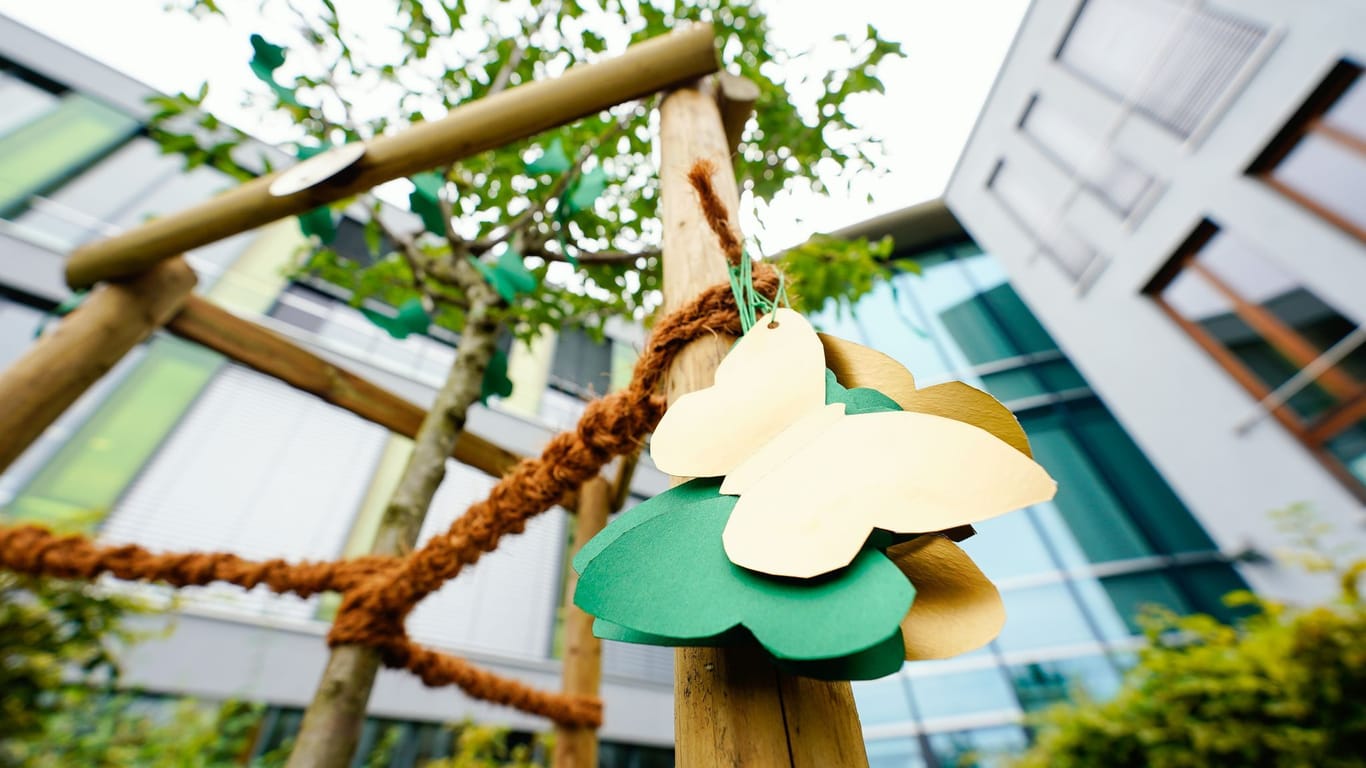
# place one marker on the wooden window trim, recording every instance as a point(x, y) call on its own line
point(1313, 436)
point(1306, 120)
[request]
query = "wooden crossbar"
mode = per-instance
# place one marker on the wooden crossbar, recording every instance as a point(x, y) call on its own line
point(467, 130)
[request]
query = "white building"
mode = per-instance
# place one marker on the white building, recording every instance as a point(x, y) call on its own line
point(177, 449)
point(1178, 190)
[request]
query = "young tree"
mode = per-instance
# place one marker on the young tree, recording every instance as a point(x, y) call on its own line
point(556, 230)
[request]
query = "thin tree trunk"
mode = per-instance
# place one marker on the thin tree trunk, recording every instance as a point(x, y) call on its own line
point(332, 724)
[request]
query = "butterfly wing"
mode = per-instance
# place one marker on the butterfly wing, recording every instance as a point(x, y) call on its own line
point(769, 380)
point(900, 471)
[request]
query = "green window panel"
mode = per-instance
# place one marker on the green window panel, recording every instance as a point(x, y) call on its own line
point(1207, 584)
point(1013, 384)
point(1088, 503)
point(995, 324)
point(77, 489)
point(1134, 592)
point(1157, 509)
point(56, 146)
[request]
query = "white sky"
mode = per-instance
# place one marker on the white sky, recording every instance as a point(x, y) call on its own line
point(953, 49)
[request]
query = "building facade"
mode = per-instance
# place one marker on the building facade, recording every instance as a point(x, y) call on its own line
point(1176, 189)
point(1074, 573)
point(177, 448)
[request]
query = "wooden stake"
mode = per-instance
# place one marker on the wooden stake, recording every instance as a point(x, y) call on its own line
point(265, 351)
point(578, 747)
point(64, 362)
point(731, 705)
point(465, 131)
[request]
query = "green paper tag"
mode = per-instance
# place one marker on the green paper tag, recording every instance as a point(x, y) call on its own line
point(411, 318)
point(586, 190)
point(495, 381)
point(319, 223)
point(425, 201)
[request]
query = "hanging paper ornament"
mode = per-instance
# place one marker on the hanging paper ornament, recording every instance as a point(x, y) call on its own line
point(410, 318)
point(821, 466)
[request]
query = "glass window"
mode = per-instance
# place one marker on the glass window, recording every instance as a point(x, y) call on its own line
point(581, 365)
point(1039, 617)
point(1166, 522)
point(981, 748)
point(1095, 514)
point(1319, 158)
point(1264, 326)
point(895, 753)
point(47, 151)
point(1174, 60)
point(1041, 684)
point(962, 693)
point(79, 486)
point(1008, 546)
point(24, 102)
point(1207, 585)
point(883, 701)
point(1115, 180)
point(1040, 215)
point(1132, 593)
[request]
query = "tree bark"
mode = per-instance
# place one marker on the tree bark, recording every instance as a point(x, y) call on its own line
point(331, 726)
point(732, 706)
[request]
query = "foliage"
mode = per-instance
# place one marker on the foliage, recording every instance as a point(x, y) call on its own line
point(584, 192)
point(480, 746)
point(1286, 688)
point(826, 268)
point(50, 630)
point(117, 731)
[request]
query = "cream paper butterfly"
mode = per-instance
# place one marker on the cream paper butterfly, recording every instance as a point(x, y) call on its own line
point(814, 481)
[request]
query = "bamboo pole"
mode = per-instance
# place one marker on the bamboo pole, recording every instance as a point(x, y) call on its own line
point(465, 131)
point(578, 747)
point(731, 705)
point(258, 348)
point(64, 362)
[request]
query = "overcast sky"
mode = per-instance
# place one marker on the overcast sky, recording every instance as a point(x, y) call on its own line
point(933, 95)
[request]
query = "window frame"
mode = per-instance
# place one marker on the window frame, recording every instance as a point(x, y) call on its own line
point(1315, 434)
point(1309, 119)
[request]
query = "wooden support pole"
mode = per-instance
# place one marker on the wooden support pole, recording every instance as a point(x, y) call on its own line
point(736, 97)
point(578, 747)
point(263, 350)
point(731, 705)
point(63, 363)
point(465, 131)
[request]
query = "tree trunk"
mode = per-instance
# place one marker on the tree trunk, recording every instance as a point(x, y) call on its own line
point(331, 726)
point(732, 706)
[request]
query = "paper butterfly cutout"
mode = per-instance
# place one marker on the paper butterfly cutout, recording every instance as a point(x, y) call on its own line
point(814, 481)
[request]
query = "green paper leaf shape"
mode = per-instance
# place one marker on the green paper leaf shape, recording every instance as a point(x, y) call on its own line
point(586, 190)
point(265, 59)
point(425, 201)
point(885, 658)
point(667, 574)
point(411, 318)
point(319, 223)
point(552, 161)
point(858, 399)
point(495, 381)
point(509, 276)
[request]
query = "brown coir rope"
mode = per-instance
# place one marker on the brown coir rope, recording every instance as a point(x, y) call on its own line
point(379, 592)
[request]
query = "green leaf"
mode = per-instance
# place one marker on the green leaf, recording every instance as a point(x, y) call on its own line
point(373, 236)
point(553, 161)
point(319, 223)
point(495, 381)
point(586, 190)
point(664, 572)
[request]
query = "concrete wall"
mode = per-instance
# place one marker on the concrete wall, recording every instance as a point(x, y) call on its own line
point(1171, 396)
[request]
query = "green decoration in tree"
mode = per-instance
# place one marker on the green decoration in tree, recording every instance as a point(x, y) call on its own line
point(411, 318)
point(425, 201)
point(509, 276)
point(496, 382)
point(319, 223)
point(265, 59)
point(553, 161)
point(586, 190)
